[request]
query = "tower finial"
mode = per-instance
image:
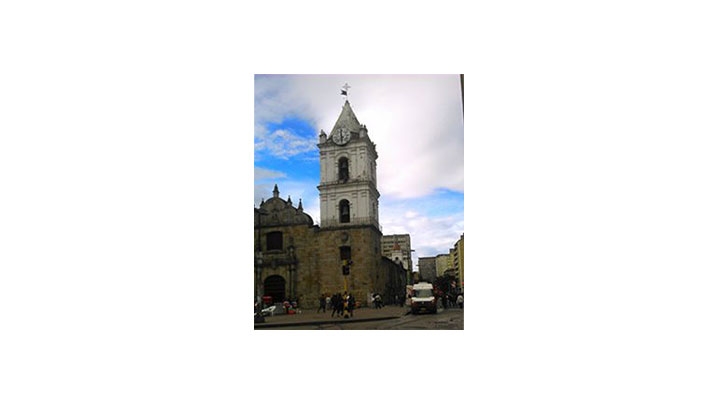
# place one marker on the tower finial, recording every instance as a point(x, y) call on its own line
point(276, 192)
point(344, 90)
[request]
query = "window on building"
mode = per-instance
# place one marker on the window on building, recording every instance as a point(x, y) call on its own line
point(343, 169)
point(344, 211)
point(274, 241)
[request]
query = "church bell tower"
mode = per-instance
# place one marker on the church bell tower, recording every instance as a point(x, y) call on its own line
point(348, 180)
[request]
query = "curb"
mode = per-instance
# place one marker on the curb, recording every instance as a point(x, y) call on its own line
point(309, 323)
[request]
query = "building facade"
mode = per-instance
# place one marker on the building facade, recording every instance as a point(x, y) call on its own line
point(398, 249)
point(296, 259)
point(442, 264)
point(457, 258)
point(427, 270)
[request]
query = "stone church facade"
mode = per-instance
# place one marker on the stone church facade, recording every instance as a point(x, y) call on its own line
point(298, 259)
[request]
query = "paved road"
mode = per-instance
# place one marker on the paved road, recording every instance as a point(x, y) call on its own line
point(448, 319)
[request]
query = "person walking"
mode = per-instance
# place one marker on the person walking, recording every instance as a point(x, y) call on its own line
point(460, 301)
point(327, 301)
point(322, 304)
point(334, 305)
point(339, 304)
point(351, 304)
point(345, 305)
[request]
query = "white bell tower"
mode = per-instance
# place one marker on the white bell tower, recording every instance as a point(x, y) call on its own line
point(348, 180)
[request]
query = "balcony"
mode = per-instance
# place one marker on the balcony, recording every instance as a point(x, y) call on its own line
point(332, 223)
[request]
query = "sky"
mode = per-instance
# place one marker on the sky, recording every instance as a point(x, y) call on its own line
point(416, 123)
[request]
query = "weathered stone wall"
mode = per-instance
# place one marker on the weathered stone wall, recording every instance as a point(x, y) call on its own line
point(364, 243)
point(318, 266)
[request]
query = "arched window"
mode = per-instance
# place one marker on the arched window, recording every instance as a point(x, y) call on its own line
point(344, 211)
point(343, 169)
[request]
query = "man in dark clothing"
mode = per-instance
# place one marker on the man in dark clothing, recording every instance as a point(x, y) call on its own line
point(322, 303)
point(351, 304)
point(334, 304)
point(340, 304)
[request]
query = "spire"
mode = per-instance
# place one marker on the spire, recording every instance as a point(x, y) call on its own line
point(276, 193)
point(300, 208)
point(346, 119)
point(289, 201)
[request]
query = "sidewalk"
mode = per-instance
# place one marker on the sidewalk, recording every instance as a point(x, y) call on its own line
point(312, 317)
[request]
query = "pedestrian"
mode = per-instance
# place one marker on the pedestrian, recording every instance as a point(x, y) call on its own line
point(333, 304)
point(286, 305)
point(345, 305)
point(351, 304)
point(322, 304)
point(327, 301)
point(339, 304)
point(460, 301)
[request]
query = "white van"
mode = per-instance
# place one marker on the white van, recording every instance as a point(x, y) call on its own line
point(422, 298)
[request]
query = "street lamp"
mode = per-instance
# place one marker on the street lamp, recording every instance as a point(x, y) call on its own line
point(258, 271)
point(409, 270)
point(258, 283)
point(260, 212)
point(291, 268)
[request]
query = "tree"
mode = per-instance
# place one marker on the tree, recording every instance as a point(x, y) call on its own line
point(444, 283)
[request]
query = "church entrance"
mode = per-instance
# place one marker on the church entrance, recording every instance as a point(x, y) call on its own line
point(275, 287)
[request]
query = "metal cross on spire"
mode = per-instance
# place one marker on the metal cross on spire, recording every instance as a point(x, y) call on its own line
point(344, 90)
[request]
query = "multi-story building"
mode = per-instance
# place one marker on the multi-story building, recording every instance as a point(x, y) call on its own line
point(427, 269)
point(397, 248)
point(458, 260)
point(442, 264)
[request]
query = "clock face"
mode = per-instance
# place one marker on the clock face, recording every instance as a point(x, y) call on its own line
point(342, 136)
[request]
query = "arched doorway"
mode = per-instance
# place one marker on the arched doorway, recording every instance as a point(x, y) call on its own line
point(275, 287)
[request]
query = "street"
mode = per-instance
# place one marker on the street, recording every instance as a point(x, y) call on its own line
point(445, 319)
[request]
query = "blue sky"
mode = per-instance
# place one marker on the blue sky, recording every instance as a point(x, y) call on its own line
point(416, 123)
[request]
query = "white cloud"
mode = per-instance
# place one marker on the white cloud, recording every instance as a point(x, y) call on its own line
point(415, 121)
point(284, 144)
point(411, 214)
point(261, 174)
point(429, 235)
